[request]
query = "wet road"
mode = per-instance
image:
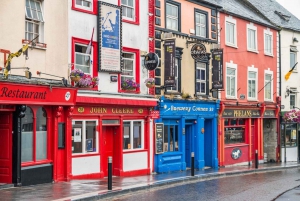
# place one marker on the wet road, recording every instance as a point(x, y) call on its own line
point(252, 187)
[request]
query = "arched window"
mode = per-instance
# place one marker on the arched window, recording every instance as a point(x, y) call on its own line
point(34, 135)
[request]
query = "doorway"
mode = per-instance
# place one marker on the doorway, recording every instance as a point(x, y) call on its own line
point(188, 145)
point(5, 148)
point(111, 148)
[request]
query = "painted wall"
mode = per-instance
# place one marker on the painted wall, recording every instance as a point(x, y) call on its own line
point(293, 82)
point(51, 60)
point(245, 59)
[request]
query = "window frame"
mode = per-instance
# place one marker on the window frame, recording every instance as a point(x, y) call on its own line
point(232, 66)
point(48, 159)
point(255, 70)
point(36, 22)
point(169, 139)
point(94, 65)
point(201, 12)
point(84, 138)
point(233, 127)
point(252, 28)
point(131, 135)
point(178, 5)
point(200, 81)
point(268, 72)
point(136, 17)
point(230, 20)
point(295, 56)
point(267, 32)
point(136, 52)
point(293, 94)
point(92, 10)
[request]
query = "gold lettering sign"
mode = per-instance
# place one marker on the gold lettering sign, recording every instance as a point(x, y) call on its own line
point(122, 110)
point(242, 113)
point(140, 110)
point(80, 109)
point(98, 110)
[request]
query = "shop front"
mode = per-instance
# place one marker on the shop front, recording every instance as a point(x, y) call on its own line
point(185, 127)
point(31, 118)
point(115, 127)
point(247, 130)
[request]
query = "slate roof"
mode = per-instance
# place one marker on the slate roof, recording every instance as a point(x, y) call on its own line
point(241, 9)
point(277, 14)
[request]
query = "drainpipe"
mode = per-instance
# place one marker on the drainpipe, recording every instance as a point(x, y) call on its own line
point(279, 120)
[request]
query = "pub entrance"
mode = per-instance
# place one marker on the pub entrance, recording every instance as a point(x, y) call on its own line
point(189, 148)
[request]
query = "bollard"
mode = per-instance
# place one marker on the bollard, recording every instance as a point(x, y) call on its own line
point(256, 159)
point(192, 164)
point(109, 177)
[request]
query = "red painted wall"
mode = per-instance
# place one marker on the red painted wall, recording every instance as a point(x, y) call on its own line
point(244, 157)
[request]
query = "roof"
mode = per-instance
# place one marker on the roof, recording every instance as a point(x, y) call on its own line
point(277, 14)
point(242, 9)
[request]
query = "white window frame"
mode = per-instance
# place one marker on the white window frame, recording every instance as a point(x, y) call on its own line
point(36, 22)
point(232, 66)
point(233, 22)
point(123, 75)
point(268, 46)
point(172, 17)
point(255, 70)
point(126, 6)
point(131, 135)
point(252, 28)
point(295, 54)
point(201, 66)
point(201, 26)
point(270, 73)
point(84, 152)
point(86, 56)
point(294, 94)
point(90, 8)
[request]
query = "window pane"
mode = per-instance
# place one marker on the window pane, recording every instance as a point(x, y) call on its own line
point(27, 136)
point(137, 135)
point(126, 135)
point(166, 138)
point(292, 59)
point(91, 137)
point(130, 3)
point(41, 145)
point(77, 137)
point(234, 135)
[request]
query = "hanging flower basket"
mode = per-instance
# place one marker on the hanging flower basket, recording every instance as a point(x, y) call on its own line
point(150, 82)
point(149, 85)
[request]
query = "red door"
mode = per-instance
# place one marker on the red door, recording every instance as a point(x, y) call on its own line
point(5, 148)
point(108, 146)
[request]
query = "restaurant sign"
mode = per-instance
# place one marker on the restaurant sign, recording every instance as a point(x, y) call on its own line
point(241, 113)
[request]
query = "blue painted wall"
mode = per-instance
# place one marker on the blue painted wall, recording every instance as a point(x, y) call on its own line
point(191, 117)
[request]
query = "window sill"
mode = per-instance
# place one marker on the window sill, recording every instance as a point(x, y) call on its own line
point(31, 163)
point(42, 46)
point(131, 21)
point(231, 98)
point(254, 51)
point(269, 55)
point(236, 145)
point(130, 92)
point(232, 45)
point(84, 154)
point(84, 10)
point(126, 151)
point(252, 100)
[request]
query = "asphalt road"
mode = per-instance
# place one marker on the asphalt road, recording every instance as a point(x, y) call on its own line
point(278, 185)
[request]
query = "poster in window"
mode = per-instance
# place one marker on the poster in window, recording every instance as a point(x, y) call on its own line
point(293, 134)
point(169, 46)
point(77, 134)
point(89, 145)
point(217, 63)
point(109, 37)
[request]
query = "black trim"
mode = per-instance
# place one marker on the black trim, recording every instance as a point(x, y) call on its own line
point(179, 13)
point(207, 25)
point(178, 55)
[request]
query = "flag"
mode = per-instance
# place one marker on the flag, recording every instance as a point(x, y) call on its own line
point(287, 76)
point(88, 49)
point(12, 55)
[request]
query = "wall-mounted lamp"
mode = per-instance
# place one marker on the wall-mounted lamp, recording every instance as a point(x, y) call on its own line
point(195, 122)
point(287, 92)
point(294, 107)
point(64, 81)
point(295, 40)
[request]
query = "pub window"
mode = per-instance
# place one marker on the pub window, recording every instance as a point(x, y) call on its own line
point(34, 140)
point(84, 137)
point(133, 135)
point(171, 138)
point(234, 131)
point(290, 137)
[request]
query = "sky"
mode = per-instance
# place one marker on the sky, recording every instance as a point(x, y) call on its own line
point(291, 5)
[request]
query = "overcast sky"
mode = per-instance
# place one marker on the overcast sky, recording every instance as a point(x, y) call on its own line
point(292, 5)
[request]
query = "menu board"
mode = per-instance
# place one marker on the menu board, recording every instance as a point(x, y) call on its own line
point(159, 138)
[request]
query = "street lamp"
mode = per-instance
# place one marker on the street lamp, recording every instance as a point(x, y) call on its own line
point(294, 107)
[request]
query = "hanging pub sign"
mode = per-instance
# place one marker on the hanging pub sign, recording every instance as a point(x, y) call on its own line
point(169, 63)
point(109, 37)
point(151, 61)
point(198, 51)
point(217, 64)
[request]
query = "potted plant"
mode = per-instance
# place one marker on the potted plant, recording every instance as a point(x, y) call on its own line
point(129, 84)
point(86, 81)
point(292, 116)
point(76, 74)
point(150, 82)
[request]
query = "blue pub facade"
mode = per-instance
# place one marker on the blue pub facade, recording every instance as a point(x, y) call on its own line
point(188, 126)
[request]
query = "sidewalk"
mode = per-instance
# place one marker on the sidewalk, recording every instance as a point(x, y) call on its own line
point(97, 189)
